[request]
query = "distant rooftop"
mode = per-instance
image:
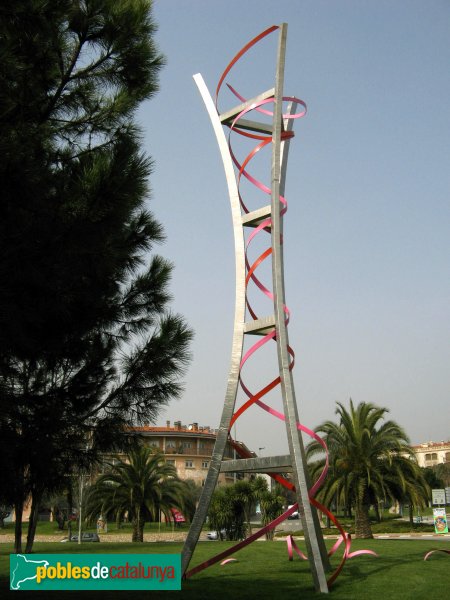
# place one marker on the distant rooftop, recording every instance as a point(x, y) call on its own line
point(432, 445)
point(177, 427)
point(187, 430)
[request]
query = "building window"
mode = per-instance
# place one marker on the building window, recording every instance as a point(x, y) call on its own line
point(170, 444)
point(189, 464)
point(434, 456)
point(205, 464)
point(170, 461)
point(187, 445)
point(447, 457)
point(427, 456)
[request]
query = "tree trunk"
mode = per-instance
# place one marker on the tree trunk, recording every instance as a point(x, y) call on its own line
point(411, 513)
point(134, 537)
point(348, 510)
point(18, 512)
point(36, 499)
point(328, 520)
point(60, 519)
point(362, 523)
point(249, 525)
point(141, 531)
point(138, 526)
point(377, 512)
point(69, 499)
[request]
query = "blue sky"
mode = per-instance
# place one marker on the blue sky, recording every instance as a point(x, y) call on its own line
point(367, 232)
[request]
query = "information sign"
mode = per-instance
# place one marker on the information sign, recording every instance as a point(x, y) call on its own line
point(447, 495)
point(438, 497)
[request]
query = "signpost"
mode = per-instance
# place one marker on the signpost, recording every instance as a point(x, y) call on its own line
point(438, 497)
point(447, 495)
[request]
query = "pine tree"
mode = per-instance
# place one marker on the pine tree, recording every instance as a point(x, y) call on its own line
point(87, 342)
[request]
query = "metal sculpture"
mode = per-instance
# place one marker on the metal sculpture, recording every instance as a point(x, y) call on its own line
point(247, 224)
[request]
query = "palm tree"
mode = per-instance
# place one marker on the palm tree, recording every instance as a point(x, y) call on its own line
point(227, 512)
point(245, 493)
point(271, 503)
point(143, 486)
point(191, 495)
point(370, 460)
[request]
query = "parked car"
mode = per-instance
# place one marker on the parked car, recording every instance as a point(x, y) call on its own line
point(86, 537)
point(213, 535)
point(294, 515)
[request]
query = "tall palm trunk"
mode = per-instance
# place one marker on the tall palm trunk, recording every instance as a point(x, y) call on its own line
point(377, 511)
point(247, 512)
point(141, 531)
point(411, 514)
point(362, 522)
point(138, 526)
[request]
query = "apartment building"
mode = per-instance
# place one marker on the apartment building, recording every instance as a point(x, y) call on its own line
point(189, 448)
point(430, 454)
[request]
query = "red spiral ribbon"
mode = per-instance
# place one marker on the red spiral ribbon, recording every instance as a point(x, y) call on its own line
point(251, 269)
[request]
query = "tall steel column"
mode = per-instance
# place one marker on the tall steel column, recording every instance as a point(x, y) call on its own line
point(311, 528)
point(269, 217)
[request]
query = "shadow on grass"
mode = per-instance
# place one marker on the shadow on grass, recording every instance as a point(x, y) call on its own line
point(198, 588)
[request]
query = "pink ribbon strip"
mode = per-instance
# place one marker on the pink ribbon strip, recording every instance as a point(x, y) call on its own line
point(228, 560)
point(433, 551)
point(291, 545)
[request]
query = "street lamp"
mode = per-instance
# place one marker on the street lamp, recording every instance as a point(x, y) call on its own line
point(80, 508)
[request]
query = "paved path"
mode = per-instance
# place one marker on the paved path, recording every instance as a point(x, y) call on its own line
point(181, 536)
point(148, 537)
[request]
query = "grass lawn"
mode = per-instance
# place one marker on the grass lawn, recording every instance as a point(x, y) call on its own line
point(263, 571)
